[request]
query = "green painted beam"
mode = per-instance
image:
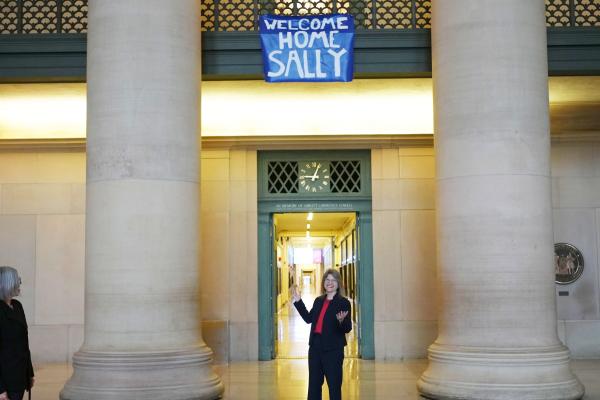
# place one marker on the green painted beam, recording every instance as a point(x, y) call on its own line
point(265, 309)
point(366, 286)
point(236, 55)
point(43, 58)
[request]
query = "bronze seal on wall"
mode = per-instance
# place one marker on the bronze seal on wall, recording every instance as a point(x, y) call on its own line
point(568, 263)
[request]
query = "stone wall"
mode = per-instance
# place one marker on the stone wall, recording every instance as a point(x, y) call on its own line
point(229, 259)
point(42, 212)
point(42, 234)
point(404, 254)
point(576, 204)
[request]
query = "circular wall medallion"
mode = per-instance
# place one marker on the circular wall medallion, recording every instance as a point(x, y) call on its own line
point(568, 263)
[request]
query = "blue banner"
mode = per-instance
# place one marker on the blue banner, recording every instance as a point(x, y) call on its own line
point(307, 48)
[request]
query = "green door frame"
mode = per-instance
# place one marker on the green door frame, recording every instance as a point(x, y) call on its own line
point(269, 204)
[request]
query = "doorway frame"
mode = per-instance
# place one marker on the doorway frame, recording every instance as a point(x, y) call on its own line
point(359, 203)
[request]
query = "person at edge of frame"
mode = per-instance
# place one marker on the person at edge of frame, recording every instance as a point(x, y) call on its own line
point(16, 370)
point(329, 324)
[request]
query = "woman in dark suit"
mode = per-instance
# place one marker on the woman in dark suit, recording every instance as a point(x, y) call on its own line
point(16, 370)
point(329, 324)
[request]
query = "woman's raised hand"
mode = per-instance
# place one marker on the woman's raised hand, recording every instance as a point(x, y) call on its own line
point(295, 295)
point(341, 315)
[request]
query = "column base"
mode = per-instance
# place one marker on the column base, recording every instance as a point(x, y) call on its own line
point(457, 372)
point(169, 375)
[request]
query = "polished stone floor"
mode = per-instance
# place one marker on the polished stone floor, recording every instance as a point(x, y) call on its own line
point(286, 379)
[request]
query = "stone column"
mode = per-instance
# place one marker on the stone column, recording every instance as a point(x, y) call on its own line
point(142, 322)
point(497, 323)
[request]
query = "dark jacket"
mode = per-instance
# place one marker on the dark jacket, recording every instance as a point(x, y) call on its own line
point(16, 369)
point(333, 334)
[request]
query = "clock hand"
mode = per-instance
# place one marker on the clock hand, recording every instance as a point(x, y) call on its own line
point(308, 176)
point(315, 176)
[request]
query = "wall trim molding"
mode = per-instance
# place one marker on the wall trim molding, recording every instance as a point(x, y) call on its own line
point(305, 142)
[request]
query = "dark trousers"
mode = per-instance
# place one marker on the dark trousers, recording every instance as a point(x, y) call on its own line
point(15, 395)
point(326, 364)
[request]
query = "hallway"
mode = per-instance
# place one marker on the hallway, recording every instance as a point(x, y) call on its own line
point(292, 331)
point(288, 379)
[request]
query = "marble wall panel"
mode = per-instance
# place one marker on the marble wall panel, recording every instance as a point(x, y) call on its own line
point(214, 169)
point(390, 163)
point(49, 343)
point(417, 194)
point(216, 335)
point(416, 337)
point(238, 165)
point(60, 167)
point(78, 198)
point(387, 265)
point(19, 167)
point(243, 341)
point(577, 192)
point(406, 339)
point(582, 338)
point(17, 249)
point(76, 335)
point(578, 227)
point(214, 265)
point(239, 273)
point(36, 198)
point(376, 164)
point(60, 269)
point(574, 160)
point(386, 194)
point(419, 280)
point(421, 167)
point(42, 167)
point(214, 196)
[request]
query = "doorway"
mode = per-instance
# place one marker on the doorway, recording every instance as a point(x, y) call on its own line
point(324, 183)
point(305, 246)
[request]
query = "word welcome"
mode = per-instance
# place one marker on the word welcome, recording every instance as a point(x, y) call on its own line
point(314, 49)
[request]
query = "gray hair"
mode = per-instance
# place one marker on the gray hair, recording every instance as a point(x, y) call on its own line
point(9, 283)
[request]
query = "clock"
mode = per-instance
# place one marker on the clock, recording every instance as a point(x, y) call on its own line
point(314, 177)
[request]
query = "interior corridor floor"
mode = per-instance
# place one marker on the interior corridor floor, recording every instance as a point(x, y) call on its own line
point(287, 379)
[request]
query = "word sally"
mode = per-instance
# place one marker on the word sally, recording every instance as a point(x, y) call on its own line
point(317, 48)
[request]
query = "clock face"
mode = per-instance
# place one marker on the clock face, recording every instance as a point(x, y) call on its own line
point(314, 176)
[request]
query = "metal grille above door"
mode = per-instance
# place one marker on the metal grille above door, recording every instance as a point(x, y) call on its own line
point(345, 176)
point(311, 174)
point(283, 177)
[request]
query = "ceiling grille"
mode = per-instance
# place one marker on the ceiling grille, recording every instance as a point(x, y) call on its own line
point(283, 177)
point(345, 176)
point(70, 16)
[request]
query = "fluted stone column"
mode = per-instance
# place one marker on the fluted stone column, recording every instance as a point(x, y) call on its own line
point(497, 322)
point(142, 323)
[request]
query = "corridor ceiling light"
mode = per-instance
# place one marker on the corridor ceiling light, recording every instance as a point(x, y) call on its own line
point(308, 234)
point(310, 216)
point(307, 226)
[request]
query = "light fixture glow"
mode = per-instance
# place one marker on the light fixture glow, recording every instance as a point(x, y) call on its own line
point(372, 106)
point(43, 111)
point(310, 216)
point(307, 234)
point(307, 226)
